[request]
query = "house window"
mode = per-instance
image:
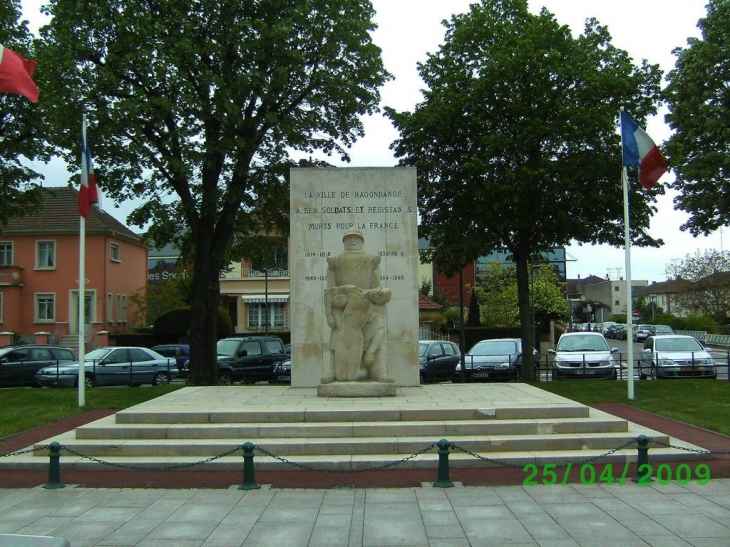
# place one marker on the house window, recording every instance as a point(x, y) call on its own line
point(616, 302)
point(257, 314)
point(45, 307)
point(6, 253)
point(115, 252)
point(45, 255)
point(109, 308)
point(280, 261)
point(616, 288)
point(121, 308)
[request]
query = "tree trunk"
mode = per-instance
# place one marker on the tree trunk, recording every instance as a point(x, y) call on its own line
point(527, 329)
point(204, 312)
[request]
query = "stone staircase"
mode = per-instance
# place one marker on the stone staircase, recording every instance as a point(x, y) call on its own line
point(513, 424)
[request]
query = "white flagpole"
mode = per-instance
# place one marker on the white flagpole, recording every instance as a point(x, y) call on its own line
point(82, 286)
point(627, 259)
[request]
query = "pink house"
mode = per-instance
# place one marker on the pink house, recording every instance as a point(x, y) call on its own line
point(39, 271)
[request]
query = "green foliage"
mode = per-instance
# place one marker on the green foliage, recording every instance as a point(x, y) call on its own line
point(426, 287)
point(517, 116)
point(704, 280)
point(698, 100)
point(23, 128)
point(198, 124)
point(497, 292)
point(474, 317)
point(154, 299)
point(694, 322)
point(453, 317)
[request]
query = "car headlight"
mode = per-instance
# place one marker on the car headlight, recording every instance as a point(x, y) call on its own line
point(708, 361)
point(501, 366)
point(665, 362)
point(607, 362)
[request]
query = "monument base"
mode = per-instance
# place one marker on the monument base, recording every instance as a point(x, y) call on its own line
point(356, 389)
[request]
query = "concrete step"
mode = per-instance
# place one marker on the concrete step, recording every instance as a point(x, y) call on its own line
point(258, 415)
point(110, 430)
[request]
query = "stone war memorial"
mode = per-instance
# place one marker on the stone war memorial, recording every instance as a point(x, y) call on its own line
point(354, 285)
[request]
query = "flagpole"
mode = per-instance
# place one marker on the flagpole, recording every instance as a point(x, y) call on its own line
point(627, 260)
point(82, 287)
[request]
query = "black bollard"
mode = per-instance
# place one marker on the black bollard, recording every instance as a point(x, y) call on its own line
point(249, 482)
point(642, 459)
point(442, 480)
point(54, 467)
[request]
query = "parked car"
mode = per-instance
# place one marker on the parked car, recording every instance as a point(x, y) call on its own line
point(641, 333)
point(179, 352)
point(282, 372)
point(437, 360)
point(246, 359)
point(605, 326)
point(112, 366)
point(18, 364)
point(287, 350)
point(583, 355)
point(676, 356)
point(661, 329)
point(497, 359)
point(622, 331)
point(613, 330)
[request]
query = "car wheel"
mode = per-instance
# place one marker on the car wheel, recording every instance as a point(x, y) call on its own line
point(423, 378)
point(160, 379)
point(90, 381)
point(225, 379)
point(653, 373)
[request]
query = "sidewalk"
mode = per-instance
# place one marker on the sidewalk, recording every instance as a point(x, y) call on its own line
point(630, 515)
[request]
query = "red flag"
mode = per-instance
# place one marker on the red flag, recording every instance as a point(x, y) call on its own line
point(16, 74)
point(88, 194)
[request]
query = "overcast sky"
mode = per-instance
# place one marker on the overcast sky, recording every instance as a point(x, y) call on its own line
point(408, 29)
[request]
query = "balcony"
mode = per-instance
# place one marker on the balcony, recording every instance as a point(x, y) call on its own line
point(250, 273)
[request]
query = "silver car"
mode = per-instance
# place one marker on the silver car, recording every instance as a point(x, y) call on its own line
point(112, 366)
point(583, 355)
point(676, 356)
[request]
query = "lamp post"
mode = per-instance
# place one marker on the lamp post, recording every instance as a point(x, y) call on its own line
point(532, 302)
point(653, 306)
point(266, 299)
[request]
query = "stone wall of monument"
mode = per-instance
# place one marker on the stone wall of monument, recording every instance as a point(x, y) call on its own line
point(326, 203)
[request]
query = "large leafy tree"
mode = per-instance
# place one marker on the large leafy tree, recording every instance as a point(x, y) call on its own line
point(516, 138)
point(193, 106)
point(704, 280)
point(698, 96)
point(22, 133)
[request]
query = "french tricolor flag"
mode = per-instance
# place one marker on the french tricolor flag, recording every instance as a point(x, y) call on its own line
point(88, 194)
point(640, 151)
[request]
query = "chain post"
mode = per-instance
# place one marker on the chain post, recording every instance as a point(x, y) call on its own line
point(442, 480)
point(642, 459)
point(249, 481)
point(54, 467)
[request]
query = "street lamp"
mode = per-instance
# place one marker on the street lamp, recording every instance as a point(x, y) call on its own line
point(266, 299)
point(653, 305)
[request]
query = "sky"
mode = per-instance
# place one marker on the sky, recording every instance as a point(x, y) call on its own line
point(409, 29)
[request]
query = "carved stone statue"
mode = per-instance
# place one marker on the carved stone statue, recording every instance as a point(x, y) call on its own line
point(354, 303)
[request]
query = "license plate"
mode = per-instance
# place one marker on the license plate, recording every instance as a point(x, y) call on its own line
point(691, 369)
point(589, 371)
point(480, 375)
point(285, 378)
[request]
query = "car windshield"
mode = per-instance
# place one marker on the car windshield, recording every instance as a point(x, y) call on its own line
point(494, 348)
point(227, 347)
point(97, 354)
point(582, 343)
point(422, 349)
point(677, 344)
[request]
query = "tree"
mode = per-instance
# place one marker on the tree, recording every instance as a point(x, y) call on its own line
point(705, 283)
point(698, 97)
point(519, 125)
point(497, 292)
point(474, 319)
point(154, 299)
point(194, 106)
point(21, 128)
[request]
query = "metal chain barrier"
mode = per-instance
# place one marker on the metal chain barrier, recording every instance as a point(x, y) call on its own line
point(376, 468)
point(687, 449)
point(520, 466)
point(151, 468)
point(22, 452)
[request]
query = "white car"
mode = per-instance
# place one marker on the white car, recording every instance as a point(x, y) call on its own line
point(676, 356)
point(583, 355)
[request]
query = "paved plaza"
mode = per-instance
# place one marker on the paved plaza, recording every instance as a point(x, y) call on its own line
point(598, 515)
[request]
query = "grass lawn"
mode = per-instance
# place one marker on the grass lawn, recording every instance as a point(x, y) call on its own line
point(703, 403)
point(26, 408)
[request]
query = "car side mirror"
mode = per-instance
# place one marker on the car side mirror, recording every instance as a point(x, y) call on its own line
point(551, 351)
point(243, 353)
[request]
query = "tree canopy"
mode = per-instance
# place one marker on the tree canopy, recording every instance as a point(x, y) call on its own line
point(194, 106)
point(705, 283)
point(22, 130)
point(698, 96)
point(516, 138)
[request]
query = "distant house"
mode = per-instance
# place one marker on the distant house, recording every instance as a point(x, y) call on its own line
point(39, 270)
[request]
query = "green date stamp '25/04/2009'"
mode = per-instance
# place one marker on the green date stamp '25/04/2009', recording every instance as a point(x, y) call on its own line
point(550, 473)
